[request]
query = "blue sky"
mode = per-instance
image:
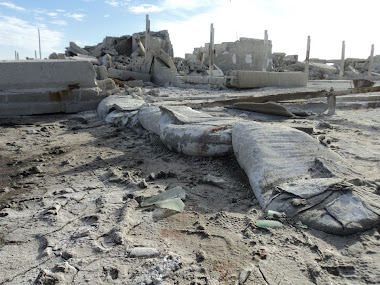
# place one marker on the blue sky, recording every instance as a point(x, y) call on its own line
point(288, 22)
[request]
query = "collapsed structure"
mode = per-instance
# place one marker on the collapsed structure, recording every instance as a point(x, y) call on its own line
point(88, 75)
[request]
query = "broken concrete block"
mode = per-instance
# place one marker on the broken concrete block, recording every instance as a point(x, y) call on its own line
point(285, 165)
point(89, 58)
point(162, 75)
point(135, 83)
point(119, 103)
point(254, 79)
point(166, 59)
point(128, 75)
point(56, 74)
point(75, 49)
point(54, 55)
point(101, 72)
point(271, 108)
point(322, 68)
point(107, 61)
point(106, 84)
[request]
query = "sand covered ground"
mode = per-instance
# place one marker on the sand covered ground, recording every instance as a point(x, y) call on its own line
point(70, 188)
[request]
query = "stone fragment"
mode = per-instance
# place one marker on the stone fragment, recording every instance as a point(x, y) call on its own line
point(144, 252)
point(75, 49)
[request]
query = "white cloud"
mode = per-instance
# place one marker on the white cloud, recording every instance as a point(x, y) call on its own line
point(59, 22)
point(287, 22)
point(78, 17)
point(52, 14)
point(12, 6)
point(107, 16)
point(117, 3)
point(112, 3)
point(60, 10)
point(145, 8)
point(15, 32)
point(192, 4)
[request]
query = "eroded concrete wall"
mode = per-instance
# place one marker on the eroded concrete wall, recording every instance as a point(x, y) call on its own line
point(244, 54)
point(47, 86)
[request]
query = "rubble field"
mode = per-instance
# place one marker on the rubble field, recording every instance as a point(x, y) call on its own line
point(76, 206)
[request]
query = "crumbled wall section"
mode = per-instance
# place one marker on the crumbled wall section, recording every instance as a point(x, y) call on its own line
point(244, 54)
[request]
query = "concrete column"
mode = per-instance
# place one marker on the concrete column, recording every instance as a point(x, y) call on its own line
point(15, 55)
point(202, 58)
point(39, 41)
point(18, 57)
point(211, 51)
point(265, 59)
point(370, 67)
point(147, 34)
point(307, 57)
point(342, 61)
point(331, 103)
point(35, 54)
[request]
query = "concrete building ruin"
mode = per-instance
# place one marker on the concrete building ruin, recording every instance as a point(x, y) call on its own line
point(244, 54)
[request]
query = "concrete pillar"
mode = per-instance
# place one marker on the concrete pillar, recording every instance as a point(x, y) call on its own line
point(15, 55)
point(370, 67)
point(147, 35)
point(307, 56)
point(39, 41)
point(331, 103)
point(18, 57)
point(202, 58)
point(35, 54)
point(342, 61)
point(265, 59)
point(211, 51)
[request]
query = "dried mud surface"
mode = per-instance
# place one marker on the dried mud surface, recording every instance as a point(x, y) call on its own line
point(69, 212)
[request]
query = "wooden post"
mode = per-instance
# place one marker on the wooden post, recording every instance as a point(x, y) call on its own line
point(39, 41)
point(147, 35)
point(307, 57)
point(265, 59)
point(211, 51)
point(342, 61)
point(370, 67)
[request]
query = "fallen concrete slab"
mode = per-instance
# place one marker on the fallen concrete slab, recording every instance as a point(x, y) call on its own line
point(265, 108)
point(254, 79)
point(119, 103)
point(291, 172)
point(16, 75)
point(47, 86)
point(126, 75)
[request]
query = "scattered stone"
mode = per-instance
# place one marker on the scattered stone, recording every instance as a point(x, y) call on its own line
point(212, 180)
point(143, 184)
point(45, 277)
point(144, 252)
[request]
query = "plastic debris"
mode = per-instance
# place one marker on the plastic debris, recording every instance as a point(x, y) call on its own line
point(275, 213)
point(268, 224)
point(171, 199)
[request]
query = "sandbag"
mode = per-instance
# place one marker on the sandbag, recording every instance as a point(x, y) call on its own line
point(291, 172)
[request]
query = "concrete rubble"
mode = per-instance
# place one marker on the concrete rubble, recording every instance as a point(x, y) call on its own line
point(119, 188)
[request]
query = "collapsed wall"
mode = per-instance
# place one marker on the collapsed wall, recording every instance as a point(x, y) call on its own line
point(244, 54)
